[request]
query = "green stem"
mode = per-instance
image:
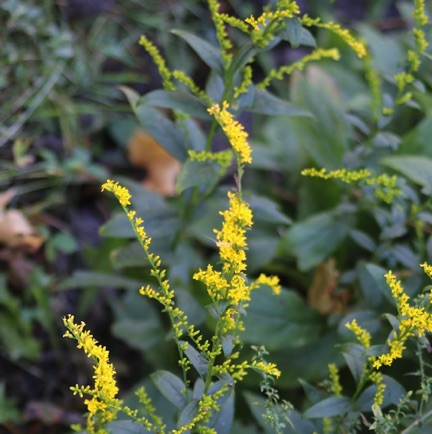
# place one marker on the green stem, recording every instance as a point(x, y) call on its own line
point(417, 422)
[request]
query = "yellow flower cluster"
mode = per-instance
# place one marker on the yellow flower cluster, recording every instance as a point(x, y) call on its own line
point(159, 61)
point(336, 387)
point(362, 335)
point(234, 131)
point(377, 378)
point(223, 158)
point(121, 193)
point(386, 186)
point(230, 284)
point(192, 86)
point(427, 269)
point(344, 175)
point(349, 39)
point(317, 54)
point(413, 321)
point(103, 404)
point(245, 83)
point(221, 33)
point(271, 281)
point(231, 239)
point(266, 368)
point(266, 25)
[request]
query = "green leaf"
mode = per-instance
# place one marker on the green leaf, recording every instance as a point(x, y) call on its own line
point(243, 55)
point(313, 394)
point(416, 141)
point(416, 168)
point(329, 407)
point(309, 361)
point(315, 238)
point(227, 344)
point(198, 360)
point(266, 210)
point(205, 174)
point(126, 427)
point(176, 100)
point(222, 420)
point(280, 321)
point(373, 283)
point(87, 279)
point(207, 52)
point(392, 395)
point(141, 335)
point(363, 240)
point(188, 413)
point(267, 104)
point(164, 131)
point(296, 34)
point(355, 358)
point(326, 137)
point(171, 387)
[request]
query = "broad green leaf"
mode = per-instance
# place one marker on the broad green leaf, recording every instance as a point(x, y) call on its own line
point(416, 168)
point(141, 335)
point(171, 387)
point(315, 238)
point(266, 210)
point(126, 427)
point(326, 137)
point(262, 247)
point(355, 358)
point(164, 131)
point(372, 283)
point(199, 360)
point(417, 140)
point(280, 321)
point(313, 394)
point(86, 279)
point(329, 407)
point(296, 34)
point(241, 58)
point(176, 100)
point(393, 393)
point(309, 361)
point(222, 420)
point(205, 174)
point(188, 413)
point(387, 54)
point(363, 240)
point(267, 104)
point(208, 53)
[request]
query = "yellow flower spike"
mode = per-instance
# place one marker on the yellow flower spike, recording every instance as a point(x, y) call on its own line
point(102, 405)
point(234, 131)
point(267, 368)
point(271, 281)
point(362, 335)
point(121, 193)
point(427, 269)
point(159, 61)
point(336, 387)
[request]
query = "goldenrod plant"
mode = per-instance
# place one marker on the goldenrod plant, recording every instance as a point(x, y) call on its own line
point(344, 148)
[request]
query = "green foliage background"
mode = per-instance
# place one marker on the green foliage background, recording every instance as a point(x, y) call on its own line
point(62, 80)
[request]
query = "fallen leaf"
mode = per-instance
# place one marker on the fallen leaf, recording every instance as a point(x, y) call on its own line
point(322, 294)
point(162, 168)
point(15, 229)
